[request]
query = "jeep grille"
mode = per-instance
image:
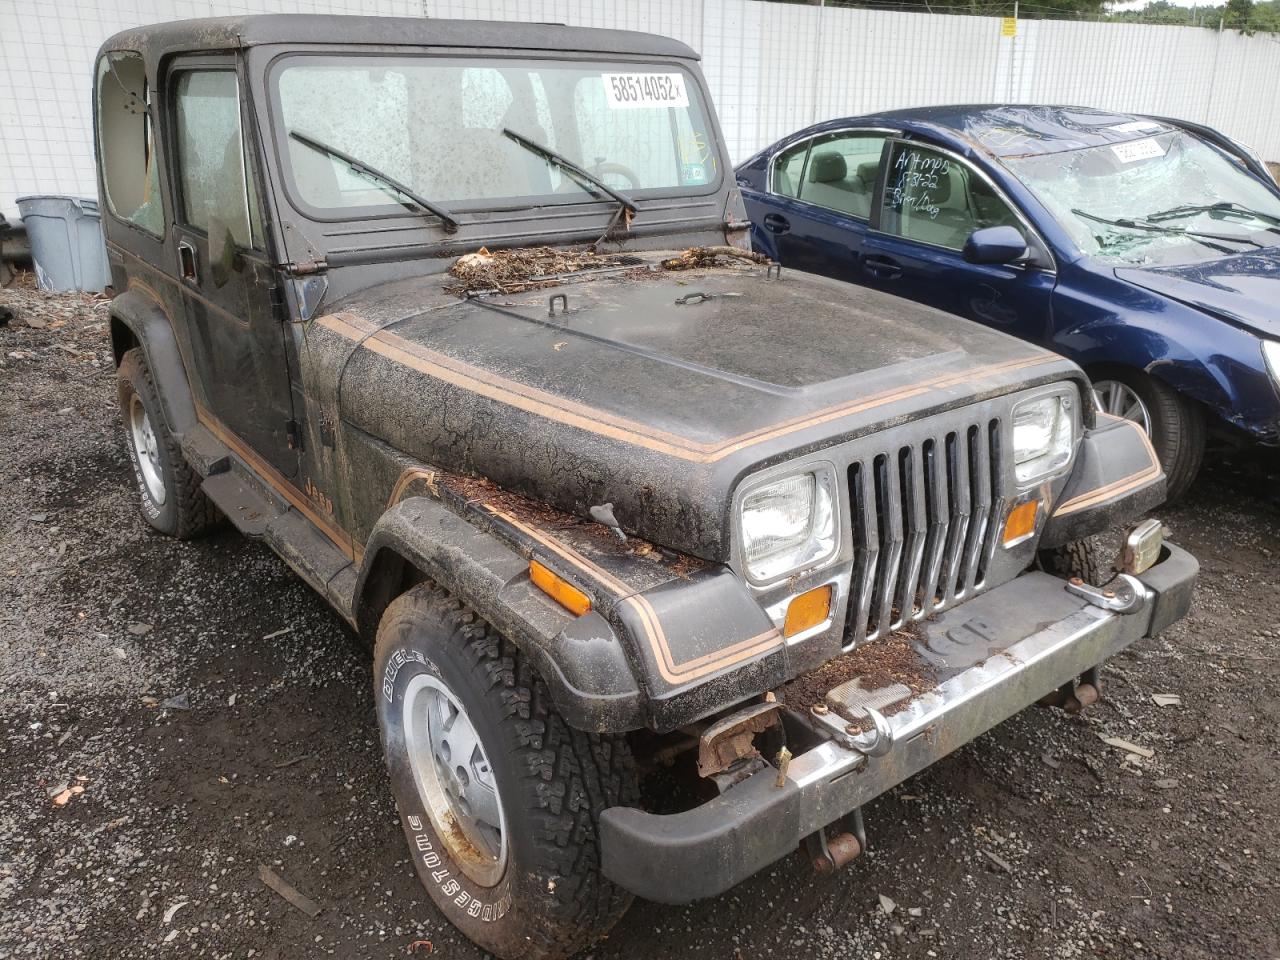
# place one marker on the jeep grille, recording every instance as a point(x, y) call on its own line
point(925, 525)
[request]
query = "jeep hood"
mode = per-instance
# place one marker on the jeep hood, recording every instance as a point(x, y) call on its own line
point(1243, 289)
point(657, 394)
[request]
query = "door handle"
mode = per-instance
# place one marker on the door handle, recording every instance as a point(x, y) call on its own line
point(885, 268)
point(776, 223)
point(187, 262)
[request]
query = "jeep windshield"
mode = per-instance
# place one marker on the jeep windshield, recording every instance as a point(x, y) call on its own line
point(436, 125)
point(1169, 198)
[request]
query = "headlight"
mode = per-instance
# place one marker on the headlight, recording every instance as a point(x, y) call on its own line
point(1043, 431)
point(789, 524)
point(1271, 354)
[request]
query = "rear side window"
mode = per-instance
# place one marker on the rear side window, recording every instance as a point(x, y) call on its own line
point(126, 145)
point(211, 164)
point(841, 172)
point(935, 199)
point(787, 170)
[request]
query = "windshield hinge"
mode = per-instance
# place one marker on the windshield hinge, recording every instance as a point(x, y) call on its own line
point(306, 268)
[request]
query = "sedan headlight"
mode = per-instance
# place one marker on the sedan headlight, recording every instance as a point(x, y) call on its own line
point(1043, 433)
point(789, 524)
point(1271, 354)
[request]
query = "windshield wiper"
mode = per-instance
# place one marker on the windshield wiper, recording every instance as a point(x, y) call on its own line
point(1222, 206)
point(376, 175)
point(571, 168)
point(1205, 238)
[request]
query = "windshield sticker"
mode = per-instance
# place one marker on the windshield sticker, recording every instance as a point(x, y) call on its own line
point(1135, 150)
point(625, 91)
point(1136, 126)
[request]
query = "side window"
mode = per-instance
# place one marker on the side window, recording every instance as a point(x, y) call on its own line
point(841, 172)
point(126, 142)
point(211, 165)
point(787, 170)
point(934, 199)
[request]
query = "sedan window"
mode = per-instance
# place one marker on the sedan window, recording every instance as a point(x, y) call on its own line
point(837, 171)
point(935, 199)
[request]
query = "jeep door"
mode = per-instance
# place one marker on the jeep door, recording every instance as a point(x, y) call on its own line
point(932, 201)
point(220, 250)
point(818, 204)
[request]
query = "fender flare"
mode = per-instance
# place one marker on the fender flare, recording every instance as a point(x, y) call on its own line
point(145, 317)
point(581, 659)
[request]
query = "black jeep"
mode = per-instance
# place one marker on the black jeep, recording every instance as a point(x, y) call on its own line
point(460, 319)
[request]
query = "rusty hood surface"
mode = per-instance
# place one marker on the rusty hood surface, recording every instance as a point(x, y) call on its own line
point(657, 394)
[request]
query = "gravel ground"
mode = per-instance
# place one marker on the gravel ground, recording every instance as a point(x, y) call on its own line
point(201, 712)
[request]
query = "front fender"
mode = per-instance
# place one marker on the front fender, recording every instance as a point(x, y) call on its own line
point(581, 658)
point(1213, 362)
point(1116, 477)
point(144, 316)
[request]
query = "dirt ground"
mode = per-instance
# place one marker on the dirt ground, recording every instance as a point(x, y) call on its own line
point(217, 717)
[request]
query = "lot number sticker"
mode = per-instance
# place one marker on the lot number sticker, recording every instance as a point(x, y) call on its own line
point(624, 91)
point(1137, 150)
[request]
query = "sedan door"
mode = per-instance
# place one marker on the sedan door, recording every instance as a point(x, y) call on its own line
point(931, 203)
point(816, 211)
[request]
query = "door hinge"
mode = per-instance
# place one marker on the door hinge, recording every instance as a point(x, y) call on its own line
point(306, 268)
point(293, 434)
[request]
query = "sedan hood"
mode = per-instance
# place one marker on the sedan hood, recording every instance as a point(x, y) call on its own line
point(656, 393)
point(1243, 289)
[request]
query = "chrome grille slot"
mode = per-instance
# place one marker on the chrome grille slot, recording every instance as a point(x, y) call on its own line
point(925, 520)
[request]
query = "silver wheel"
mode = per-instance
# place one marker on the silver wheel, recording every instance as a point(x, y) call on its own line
point(454, 778)
point(148, 449)
point(1120, 400)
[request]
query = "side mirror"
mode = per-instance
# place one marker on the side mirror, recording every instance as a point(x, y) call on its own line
point(995, 245)
point(223, 258)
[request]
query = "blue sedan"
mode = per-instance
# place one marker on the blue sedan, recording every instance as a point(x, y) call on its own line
point(1145, 249)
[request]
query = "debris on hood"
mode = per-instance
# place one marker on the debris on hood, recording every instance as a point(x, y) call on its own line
point(533, 268)
point(523, 268)
point(696, 257)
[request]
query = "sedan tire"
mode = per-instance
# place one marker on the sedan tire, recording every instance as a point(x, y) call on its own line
point(1174, 422)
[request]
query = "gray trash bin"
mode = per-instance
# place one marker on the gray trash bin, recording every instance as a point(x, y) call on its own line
point(66, 243)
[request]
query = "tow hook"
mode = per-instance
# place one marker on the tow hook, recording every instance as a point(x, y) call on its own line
point(1124, 594)
point(829, 855)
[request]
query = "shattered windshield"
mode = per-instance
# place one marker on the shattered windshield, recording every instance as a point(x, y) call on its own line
point(443, 128)
point(1169, 198)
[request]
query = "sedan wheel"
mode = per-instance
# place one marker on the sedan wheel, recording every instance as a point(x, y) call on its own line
point(1120, 400)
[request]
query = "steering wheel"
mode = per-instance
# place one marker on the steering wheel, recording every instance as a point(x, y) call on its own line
point(605, 170)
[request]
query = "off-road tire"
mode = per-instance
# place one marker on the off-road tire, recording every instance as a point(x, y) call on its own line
point(551, 899)
point(186, 511)
point(1177, 425)
point(1078, 558)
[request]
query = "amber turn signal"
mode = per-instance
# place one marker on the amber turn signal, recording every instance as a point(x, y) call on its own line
point(1021, 522)
point(559, 589)
point(807, 610)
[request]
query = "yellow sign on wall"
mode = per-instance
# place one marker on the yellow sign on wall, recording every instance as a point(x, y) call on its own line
point(1009, 27)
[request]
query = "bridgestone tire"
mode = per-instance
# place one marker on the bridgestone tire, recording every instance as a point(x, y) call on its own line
point(1177, 427)
point(553, 781)
point(1079, 558)
point(186, 511)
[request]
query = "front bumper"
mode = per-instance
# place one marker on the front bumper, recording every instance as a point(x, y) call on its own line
point(996, 654)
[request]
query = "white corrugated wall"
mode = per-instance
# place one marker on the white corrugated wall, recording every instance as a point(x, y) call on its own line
point(772, 67)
